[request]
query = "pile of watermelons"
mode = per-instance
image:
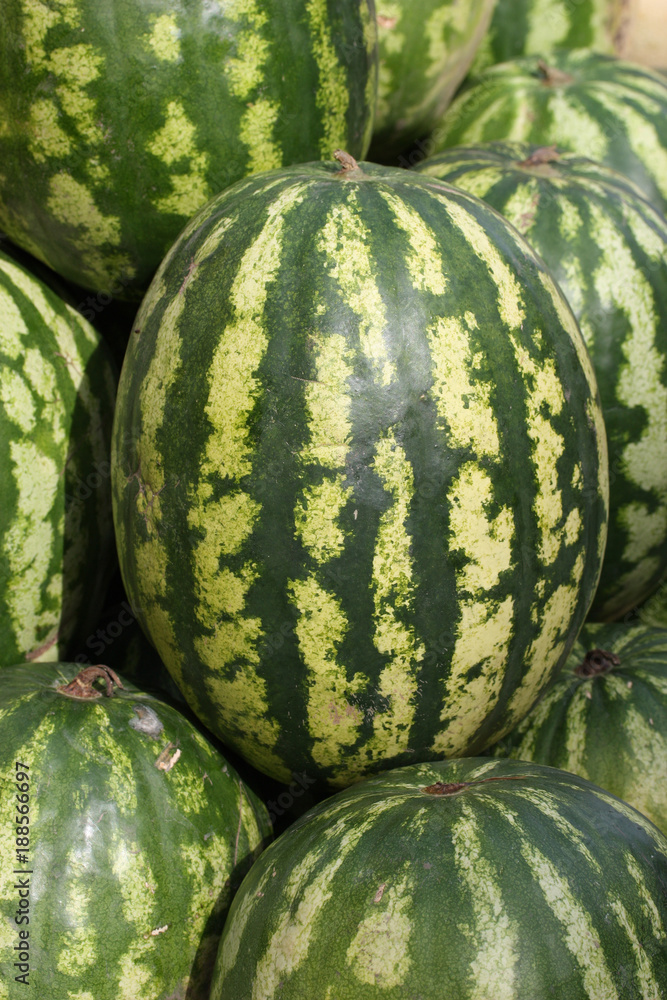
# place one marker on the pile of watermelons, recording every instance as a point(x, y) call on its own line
point(333, 500)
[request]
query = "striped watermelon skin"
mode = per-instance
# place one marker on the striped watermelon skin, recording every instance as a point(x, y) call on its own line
point(425, 48)
point(607, 248)
point(537, 27)
point(609, 727)
point(604, 109)
point(57, 393)
point(530, 884)
point(120, 120)
point(359, 471)
point(654, 611)
point(132, 867)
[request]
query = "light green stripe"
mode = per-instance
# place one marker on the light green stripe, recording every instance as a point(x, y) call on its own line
point(175, 145)
point(574, 127)
point(28, 545)
point(333, 95)
point(164, 38)
point(353, 266)
point(462, 397)
point(312, 884)
point(245, 72)
point(640, 132)
point(544, 392)
point(510, 298)
point(242, 344)
point(379, 953)
point(548, 25)
point(392, 589)
point(648, 904)
point(13, 328)
point(492, 934)
point(576, 723)
point(80, 946)
point(333, 720)
point(580, 937)
point(227, 523)
point(485, 628)
point(554, 618)
point(423, 257)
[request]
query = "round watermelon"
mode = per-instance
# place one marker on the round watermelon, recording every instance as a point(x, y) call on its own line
point(537, 27)
point(607, 249)
point(605, 717)
point(120, 119)
point(124, 837)
point(57, 390)
point(470, 879)
point(600, 107)
point(359, 470)
point(426, 48)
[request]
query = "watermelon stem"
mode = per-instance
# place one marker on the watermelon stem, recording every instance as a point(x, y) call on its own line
point(81, 687)
point(552, 77)
point(347, 162)
point(596, 662)
point(545, 154)
point(451, 788)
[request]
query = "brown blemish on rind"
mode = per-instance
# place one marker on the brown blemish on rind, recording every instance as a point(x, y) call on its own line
point(596, 662)
point(81, 687)
point(166, 760)
point(148, 721)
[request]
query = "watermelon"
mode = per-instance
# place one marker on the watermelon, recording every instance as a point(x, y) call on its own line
point(128, 833)
point(605, 717)
point(654, 610)
point(426, 48)
point(537, 27)
point(600, 107)
point(480, 879)
point(607, 248)
point(57, 391)
point(120, 119)
point(359, 470)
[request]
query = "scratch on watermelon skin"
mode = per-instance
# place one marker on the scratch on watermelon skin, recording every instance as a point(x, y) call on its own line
point(168, 848)
point(466, 856)
point(57, 391)
point(607, 247)
point(118, 125)
point(331, 467)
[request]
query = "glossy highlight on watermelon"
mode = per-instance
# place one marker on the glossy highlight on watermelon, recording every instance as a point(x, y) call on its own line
point(119, 120)
point(359, 471)
point(605, 717)
point(585, 102)
point(139, 834)
point(607, 249)
point(487, 880)
point(57, 392)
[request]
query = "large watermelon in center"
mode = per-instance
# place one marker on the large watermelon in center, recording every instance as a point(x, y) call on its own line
point(359, 470)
